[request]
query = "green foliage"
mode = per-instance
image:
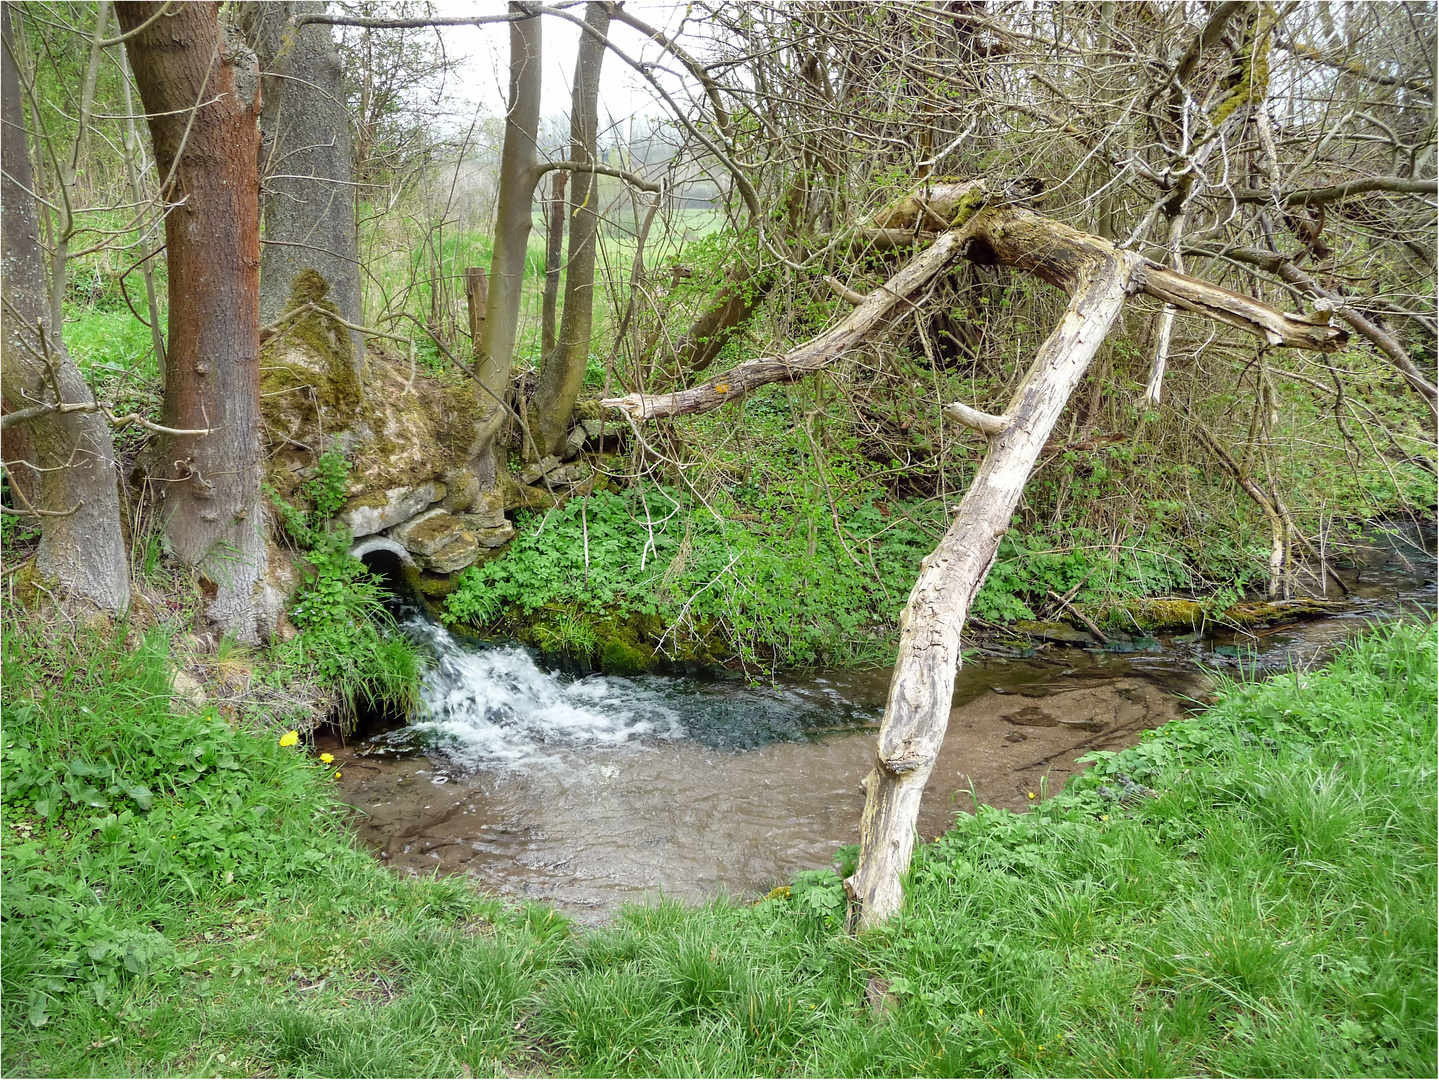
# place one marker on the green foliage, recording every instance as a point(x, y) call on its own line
point(117, 801)
point(1249, 891)
point(1029, 568)
point(782, 587)
point(347, 638)
point(105, 339)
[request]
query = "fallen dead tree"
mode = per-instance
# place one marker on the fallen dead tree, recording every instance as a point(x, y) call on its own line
point(1098, 278)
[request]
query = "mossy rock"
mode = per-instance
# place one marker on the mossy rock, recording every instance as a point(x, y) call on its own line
point(435, 587)
point(620, 658)
point(1164, 613)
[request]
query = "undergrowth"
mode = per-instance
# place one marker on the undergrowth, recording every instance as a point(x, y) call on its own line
point(347, 639)
point(1250, 891)
point(796, 582)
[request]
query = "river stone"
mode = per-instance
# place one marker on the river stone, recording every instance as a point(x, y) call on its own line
point(522, 497)
point(462, 549)
point(1059, 632)
point(570, 474)
point(401, 503)
point(532, 473)
point(426, 533)
point(440, 539)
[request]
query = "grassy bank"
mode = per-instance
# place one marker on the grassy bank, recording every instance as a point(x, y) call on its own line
point(1250, 891)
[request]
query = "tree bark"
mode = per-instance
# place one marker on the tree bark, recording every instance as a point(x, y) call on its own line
point(554, 252)
point(512, 232)
point(818, 352)
point(306, 165)
point(564, 369)
point(923, 683)
point(1274, 263)
point(67, 471)
point(717, 324)
point(203, 121)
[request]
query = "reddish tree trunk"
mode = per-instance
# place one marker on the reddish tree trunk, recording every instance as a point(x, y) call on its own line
point(204, 123)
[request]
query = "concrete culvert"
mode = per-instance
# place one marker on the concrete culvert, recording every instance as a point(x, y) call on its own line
point(384, 557)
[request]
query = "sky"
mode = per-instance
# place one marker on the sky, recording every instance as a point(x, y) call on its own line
point(484, 72)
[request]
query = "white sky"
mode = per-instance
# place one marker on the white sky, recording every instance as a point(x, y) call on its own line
point(484, 73)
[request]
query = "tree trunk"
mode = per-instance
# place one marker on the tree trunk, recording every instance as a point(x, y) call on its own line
point(564, 368)
point(306, 165)
point(477, 291)
point(554, 252)
point(735, 304)
point(923, 683)
point(512, 233)
point(68, 468)
point(208, 159)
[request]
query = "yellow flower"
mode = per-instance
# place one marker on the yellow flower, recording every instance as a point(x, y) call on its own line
point(337, 776)
point(327, 758)
point(290, 738)
point(1031, 794)
point(981, 1012)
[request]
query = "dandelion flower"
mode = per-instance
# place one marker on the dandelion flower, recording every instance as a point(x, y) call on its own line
point(290, 738)
point(327, 758)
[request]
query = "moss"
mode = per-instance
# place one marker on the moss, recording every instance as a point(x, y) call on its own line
point(969, 204)
point(436, 527)
point(434, 587)
point(619, 658)
point(1253, 82)
point(377, 499)
point(31, 585)
point(1168, 613)
point(308, 383)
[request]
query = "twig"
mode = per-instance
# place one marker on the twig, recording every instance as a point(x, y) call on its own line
point(1081, 616)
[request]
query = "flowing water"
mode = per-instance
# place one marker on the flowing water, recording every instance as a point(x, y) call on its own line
point(588, 792)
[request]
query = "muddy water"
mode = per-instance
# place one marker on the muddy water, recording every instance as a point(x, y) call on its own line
point(591, 792)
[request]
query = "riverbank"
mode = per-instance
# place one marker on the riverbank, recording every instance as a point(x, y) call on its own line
point(627, 582)
point(1250, 890)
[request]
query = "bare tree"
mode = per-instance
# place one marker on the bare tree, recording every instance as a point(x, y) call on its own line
point(563, 372)
point(68, 468)
point(1099, 278)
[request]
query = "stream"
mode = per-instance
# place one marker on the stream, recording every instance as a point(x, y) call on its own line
point(590, 792)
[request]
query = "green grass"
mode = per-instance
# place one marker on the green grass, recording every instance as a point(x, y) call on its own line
point(1250, 891)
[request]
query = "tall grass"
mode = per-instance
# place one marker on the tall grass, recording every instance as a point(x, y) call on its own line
point(1250, 891)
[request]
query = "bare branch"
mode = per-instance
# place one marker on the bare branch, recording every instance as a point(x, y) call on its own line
point(633, 179)
point(1398, 185)
point(971, 417)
